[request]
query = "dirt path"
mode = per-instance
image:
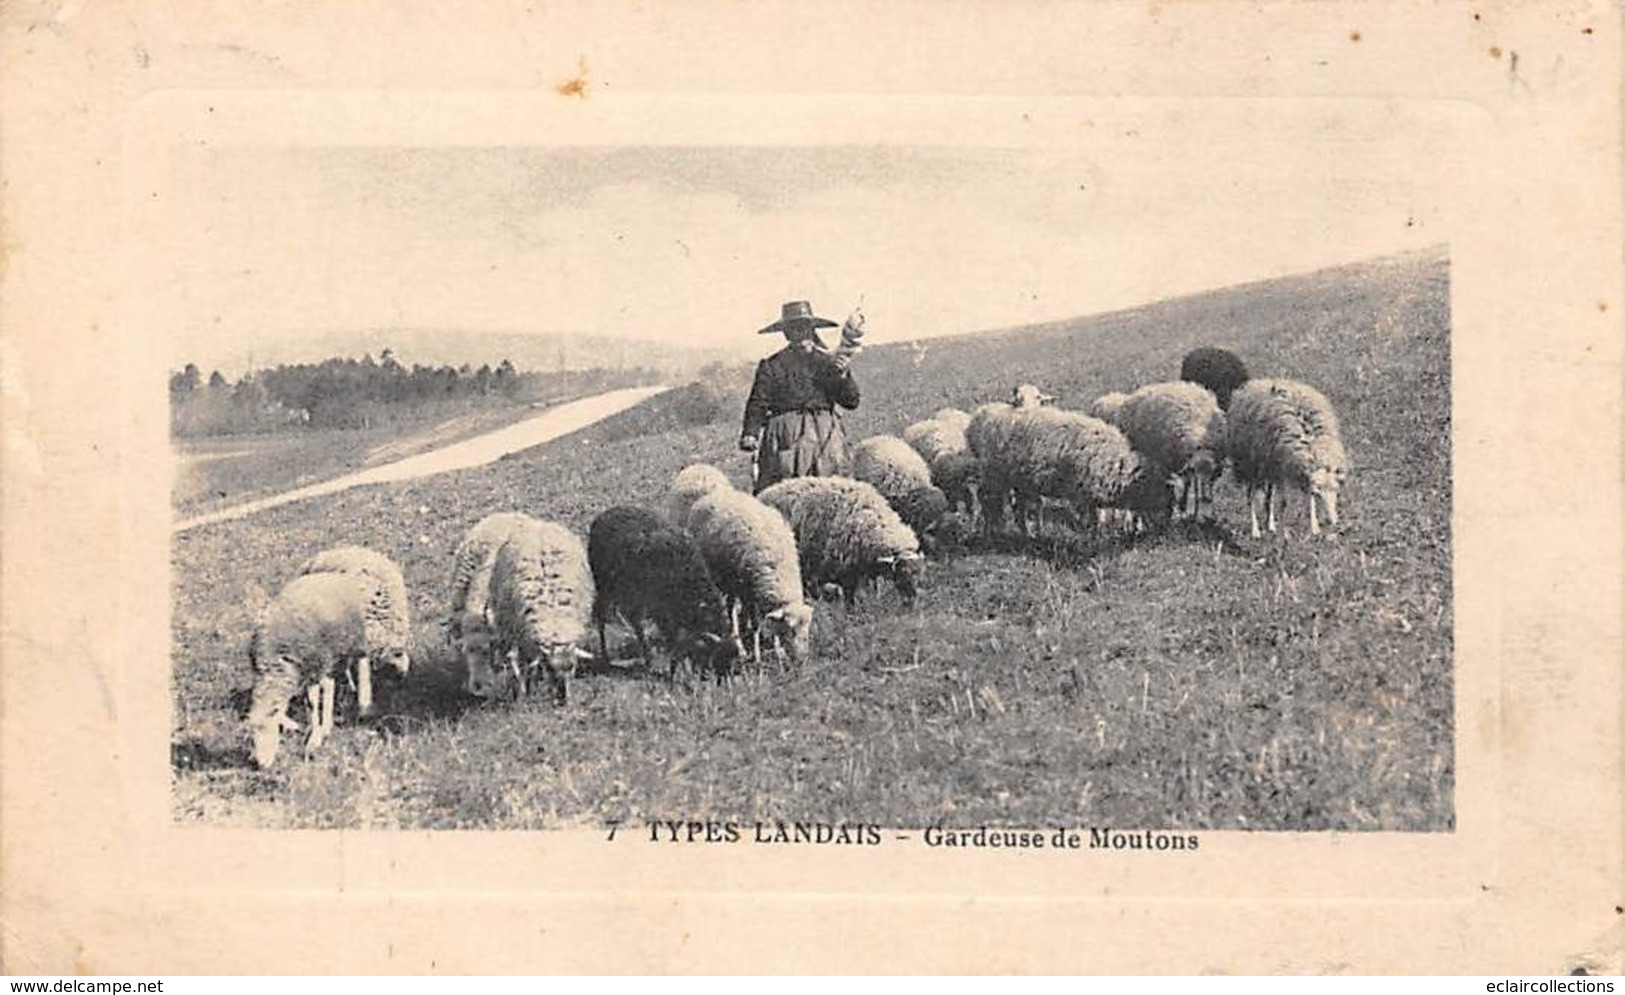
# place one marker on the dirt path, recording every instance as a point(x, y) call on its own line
point(478, 451)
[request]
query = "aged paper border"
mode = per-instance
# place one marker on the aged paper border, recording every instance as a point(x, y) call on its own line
point(96, 879)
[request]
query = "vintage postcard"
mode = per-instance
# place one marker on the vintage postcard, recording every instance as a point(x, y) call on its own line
point(973, 488)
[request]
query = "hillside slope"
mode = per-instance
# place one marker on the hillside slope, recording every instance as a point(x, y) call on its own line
point(1199, 680)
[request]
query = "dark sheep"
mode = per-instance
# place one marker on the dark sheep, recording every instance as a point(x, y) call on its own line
point(646, 568)
point(923, 511)
point(1219, 370)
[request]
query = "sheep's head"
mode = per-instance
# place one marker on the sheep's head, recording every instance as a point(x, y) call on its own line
point(1324, 483)
point(561, 660)
point(904, 569)
point(1029, 396)
point(792, 627)
point(267, 742)
point(954, 530)
point(1153, 497)
point(482, 679)
point(921, 510)
point(714, 651)
point(397, 658)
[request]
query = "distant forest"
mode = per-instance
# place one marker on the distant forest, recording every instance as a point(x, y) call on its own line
point(367, 393)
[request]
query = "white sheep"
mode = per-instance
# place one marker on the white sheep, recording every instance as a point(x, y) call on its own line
point(902, 477)
point(1179, 427)
point(692, 483)
point(317, 626)
point(541, 604)
point(952, 417)
point(986, 434)
point(847, 534)
point(941, 442)
point(1069, 456)
point(1282, 432)
point(752, 555)
point(389, 623)
point(468, 626)
point(890, 464)
point(1107, 406)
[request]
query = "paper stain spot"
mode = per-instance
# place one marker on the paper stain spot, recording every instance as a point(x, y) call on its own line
point(577, 86)
point(1585, 31)
point(1354, 36)
point(1602, 305)
point(1495, 51)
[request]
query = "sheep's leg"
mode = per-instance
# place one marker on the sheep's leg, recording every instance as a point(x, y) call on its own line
point(643, 644)
point(603, 640)
point(1185, 508)
point(318, 730)
point(1314, 517)
point(511, 657)
point(363, 686)
point(1252, 510)
point(330, 695)
point(1269, 504)
point(991, 502)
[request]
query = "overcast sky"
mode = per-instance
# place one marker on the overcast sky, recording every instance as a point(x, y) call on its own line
point(704, 243)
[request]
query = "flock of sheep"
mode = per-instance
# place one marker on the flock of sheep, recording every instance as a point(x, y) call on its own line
point(723, 568)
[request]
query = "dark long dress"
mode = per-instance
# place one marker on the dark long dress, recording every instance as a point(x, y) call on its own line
point(792, 411)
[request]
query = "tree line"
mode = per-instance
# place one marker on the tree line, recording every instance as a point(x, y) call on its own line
point(347, 393)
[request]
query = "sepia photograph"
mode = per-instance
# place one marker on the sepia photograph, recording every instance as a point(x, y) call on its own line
point(859, 485)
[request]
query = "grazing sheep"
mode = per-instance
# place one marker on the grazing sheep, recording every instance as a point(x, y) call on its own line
point(1219, 370)
point(1048, 452)
point(952, 417)
point(902, 477)
point(644, 567)
point(752, 556)
point(847, 534)
point(958, 475)
point(989, 428)
point(692, 483)
point(468, 627)
point(923, 511)
point(941, 442)
point(1178, 426)
point(319, 624)
point(890, 464)
point(1283, 432)
point(932, 437)
point(389, 624)
point(987, 433)
point(541, 603)
point(1106, 407)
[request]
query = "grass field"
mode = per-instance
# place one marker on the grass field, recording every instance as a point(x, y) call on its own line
point(1200, 679)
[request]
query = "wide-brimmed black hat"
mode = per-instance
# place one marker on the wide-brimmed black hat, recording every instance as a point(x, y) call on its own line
point(798, 311)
